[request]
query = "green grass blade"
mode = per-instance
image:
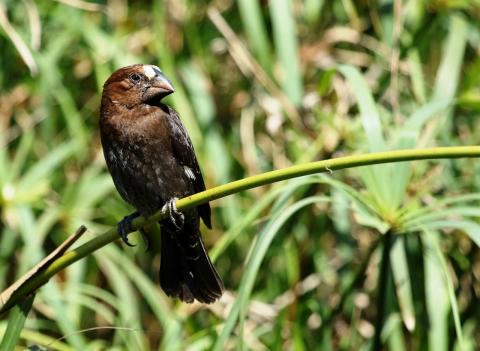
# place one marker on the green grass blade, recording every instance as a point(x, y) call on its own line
point(449, 72)
point(22, 152)
point(4, 160)
point(439, 257)
point(16, 322)
point(362, 204)
point(436, 296)
point(41, 170)
point(51, 295)
point(392, 333)
point(416, 75)
point(368, 111)
point(377, 178)
point(359, 199)
point(440, 204)
point(74, 119)
point(199, 93)
point(37, 339)
point(402, 281)
point(408, 137)
point(409, 133)
point(247, 219)
point(172, 328)
point(470, 228)
point(441, 214)
point(253, 264)
point(286, 46)
point(251, 16)
point(129, 313)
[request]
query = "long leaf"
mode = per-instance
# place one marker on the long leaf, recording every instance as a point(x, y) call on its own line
point(253, 264)
point(433, 244)
point(403, 284)
point(407, 138)
point(437, 296)
point(42, 169)
point(471, 228)
point(286, 46)
point(377, 178)
point(15, 323)
point(257, 36)
point(448, 74)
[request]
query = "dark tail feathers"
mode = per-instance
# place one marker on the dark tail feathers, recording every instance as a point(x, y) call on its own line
point(186, 271)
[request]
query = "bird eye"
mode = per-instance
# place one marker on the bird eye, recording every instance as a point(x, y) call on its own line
point(135, 77)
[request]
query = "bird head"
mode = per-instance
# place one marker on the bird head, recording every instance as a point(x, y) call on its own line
point(138, 84)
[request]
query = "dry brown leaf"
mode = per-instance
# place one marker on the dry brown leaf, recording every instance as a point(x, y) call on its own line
point(7, 294)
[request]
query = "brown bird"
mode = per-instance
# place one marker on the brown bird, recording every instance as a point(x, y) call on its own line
point(152, 162)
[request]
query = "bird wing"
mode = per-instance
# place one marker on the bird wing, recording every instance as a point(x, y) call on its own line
point(114, 165)
point(184, 152)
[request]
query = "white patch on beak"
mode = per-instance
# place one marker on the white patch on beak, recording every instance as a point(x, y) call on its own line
point(150, 71)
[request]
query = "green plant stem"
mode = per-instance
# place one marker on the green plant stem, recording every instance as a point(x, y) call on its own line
point(16, 321)
point(383, 277)
point(234, 187)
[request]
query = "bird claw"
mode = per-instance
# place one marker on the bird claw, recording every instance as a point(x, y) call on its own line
point(176, 217)
point(125, 227)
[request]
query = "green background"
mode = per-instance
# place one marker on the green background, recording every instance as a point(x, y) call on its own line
point(260, 85)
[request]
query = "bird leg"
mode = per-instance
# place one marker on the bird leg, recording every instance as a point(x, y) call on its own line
point(176, 217)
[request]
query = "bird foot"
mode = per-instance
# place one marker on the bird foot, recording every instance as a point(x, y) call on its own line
point(125, 227)
point(176, 217)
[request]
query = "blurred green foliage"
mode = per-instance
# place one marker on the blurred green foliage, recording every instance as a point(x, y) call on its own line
point(260, 85)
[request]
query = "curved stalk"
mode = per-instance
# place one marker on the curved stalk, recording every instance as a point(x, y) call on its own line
point(234, 187)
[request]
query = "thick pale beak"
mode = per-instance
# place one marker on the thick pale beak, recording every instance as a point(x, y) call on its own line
point(162, 82)
point(160, 85)
point(157, 87)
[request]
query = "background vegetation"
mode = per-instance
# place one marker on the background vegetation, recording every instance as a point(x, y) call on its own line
point(386, 254)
